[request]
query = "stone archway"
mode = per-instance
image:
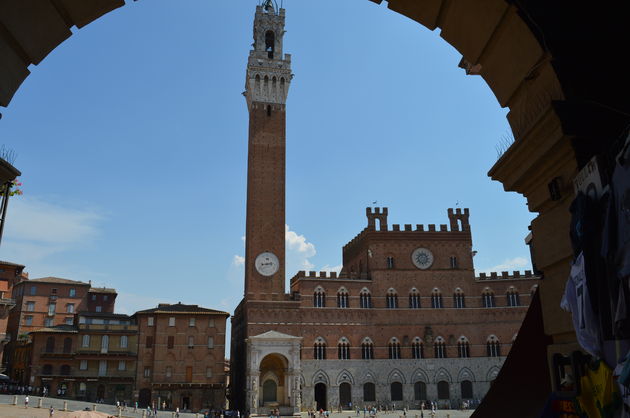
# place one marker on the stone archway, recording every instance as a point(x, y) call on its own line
point(273, 373)
point(531, 55)
point(272, 380)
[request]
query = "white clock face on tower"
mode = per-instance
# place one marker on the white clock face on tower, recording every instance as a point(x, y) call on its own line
point(422, 258)
point(267, 264)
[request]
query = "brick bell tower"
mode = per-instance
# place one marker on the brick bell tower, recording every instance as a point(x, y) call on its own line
point(266, 88)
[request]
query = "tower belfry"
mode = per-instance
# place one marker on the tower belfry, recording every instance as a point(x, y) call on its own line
point(266, 88)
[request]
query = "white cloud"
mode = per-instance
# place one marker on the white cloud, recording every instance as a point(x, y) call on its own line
point(298, 253)
point(297, 243)
point(32, 219)
point(37, 229)
point(516, 263)
point(329, 269)
point(238, 260)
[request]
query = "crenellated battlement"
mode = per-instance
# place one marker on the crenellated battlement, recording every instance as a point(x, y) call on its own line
point(325, 275)
point(458, 222)
point(504, 275)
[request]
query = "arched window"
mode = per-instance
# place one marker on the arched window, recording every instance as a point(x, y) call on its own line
point(417, 348)
point(453, 261)
point(65, 370)
point(365, 298)
point(414, 298)
point(369, 392)
point(512, 297)
point(439, 348)
point(488, 298)
point(443, 390)
point(390, 262)
point(50, 344)
point(342, 298)
point(394, 348)
point(493, 347)
point(458, 299)
point(367, 349)
point(396, 390)
point(392, 299)
point(467, 389)
point(420, 391)
point(319, 349)
point(436, 298)
point(319, 298)
point(67, 345)
point(343, 349)
point(270, 43)
point(463, 348)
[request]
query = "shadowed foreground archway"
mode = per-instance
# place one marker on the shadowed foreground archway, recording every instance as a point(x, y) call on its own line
point(544, 60)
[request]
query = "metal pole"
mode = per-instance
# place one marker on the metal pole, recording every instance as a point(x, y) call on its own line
point(5, 204)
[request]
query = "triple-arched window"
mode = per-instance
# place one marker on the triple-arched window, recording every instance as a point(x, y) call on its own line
point(417, 348)
point(365, 298)
point(512, 297)
point(439, 347)
point(319, 298)
point(436, 298)
point(319, 349)
point(463, 347)
point(394, 348)
point(343, 349)
point(493, 346)
point(488, 298)
point(342, 298)
point(392, 299)
point(458, 299)
point(367, 349)
point(414, 298)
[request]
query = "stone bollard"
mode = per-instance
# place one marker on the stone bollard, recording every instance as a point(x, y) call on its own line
point(119, 412)
point(144, 413)
point(93, 407)
point(14, 399)
point(65, 405)
point(39, 402)
point(173, 414)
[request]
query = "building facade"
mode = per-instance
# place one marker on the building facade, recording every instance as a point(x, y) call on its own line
point(405, 321)
point(10, 274)
point(48, 302)
point(93, 360)
point(181, 357)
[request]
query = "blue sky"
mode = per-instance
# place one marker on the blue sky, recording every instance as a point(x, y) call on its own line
point(132, 140)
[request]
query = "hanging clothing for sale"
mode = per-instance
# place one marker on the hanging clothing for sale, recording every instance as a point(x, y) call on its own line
point(576, 299)
point(599, 395)
point(621, 198)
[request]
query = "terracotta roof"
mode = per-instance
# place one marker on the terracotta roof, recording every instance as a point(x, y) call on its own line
point(181, 308)
point(8, 263)
point(63, 328)
point(55, 280)
point(102, 290)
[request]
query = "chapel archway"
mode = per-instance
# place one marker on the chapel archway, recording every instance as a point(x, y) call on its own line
point(273, 368)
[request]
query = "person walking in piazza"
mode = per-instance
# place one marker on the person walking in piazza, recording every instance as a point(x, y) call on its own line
point(51, 411)
point(26, 401)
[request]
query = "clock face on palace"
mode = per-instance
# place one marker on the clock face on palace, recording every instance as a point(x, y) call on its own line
point(267, 264)
point(422, 258)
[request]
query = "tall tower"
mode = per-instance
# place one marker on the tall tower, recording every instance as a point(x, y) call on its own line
point(267, 85)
